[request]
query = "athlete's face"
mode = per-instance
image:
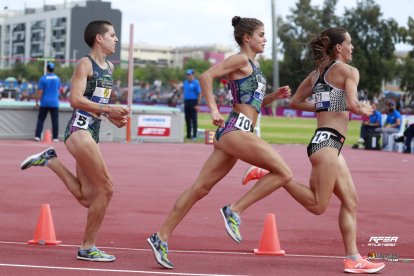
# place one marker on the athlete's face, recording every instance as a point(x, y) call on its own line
point(345, 49)
point(258, 40)
point(109, 40)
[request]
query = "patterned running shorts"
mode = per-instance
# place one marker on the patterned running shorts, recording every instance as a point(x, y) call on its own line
point(89, 123)
point(325, 137)
point(235, 121)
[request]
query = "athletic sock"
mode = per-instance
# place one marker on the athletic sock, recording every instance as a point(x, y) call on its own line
point(354, 257)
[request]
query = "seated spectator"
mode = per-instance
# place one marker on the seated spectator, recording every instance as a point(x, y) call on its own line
point(392, 123)
point(369, 125)
point(408, 136)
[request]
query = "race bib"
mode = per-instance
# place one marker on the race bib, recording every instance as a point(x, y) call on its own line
point(244, 123)
point(321, 136)
point(261, 88)
point(82, 121)
point(321, 96)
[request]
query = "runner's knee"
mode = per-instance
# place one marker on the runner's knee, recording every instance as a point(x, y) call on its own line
point(106, 188)
point(284, 174)
point(351, 203)
point(200, 191)
point(318, 208)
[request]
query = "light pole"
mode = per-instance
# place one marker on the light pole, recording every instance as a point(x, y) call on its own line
point(274, 47)
point(274, 54)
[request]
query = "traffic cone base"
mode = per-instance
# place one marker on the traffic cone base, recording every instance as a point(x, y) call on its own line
point(276, 253)
point(45, 230)
point(269, 242)
point(44, 242)
point(47, 136)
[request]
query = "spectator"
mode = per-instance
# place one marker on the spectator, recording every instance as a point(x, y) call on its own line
point(48, 92)
point(369, 125)
point(192, 98)
point(392, 123)
point(408, 136)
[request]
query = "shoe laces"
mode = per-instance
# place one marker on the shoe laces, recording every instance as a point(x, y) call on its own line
point(232, 217)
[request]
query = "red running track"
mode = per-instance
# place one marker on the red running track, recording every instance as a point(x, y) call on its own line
point(149, 177)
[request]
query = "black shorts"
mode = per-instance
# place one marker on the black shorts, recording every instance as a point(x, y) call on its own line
point(325, 137)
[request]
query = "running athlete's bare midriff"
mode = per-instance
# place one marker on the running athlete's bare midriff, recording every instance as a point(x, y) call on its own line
point(335, 120)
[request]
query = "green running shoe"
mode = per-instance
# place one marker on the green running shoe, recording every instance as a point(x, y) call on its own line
point(232, 223)
point(95, 255)
point(39, 159)
point(160, 250)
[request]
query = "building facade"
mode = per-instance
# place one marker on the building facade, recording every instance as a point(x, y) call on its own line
point(161, 56)
point(52, 31)
point(56, 32)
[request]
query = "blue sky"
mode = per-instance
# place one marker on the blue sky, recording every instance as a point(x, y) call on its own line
point(201, 22)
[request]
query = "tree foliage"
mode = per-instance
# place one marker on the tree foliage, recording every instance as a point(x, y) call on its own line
point(300, 26)
point(406, 67)
point(373, 36)
point(374, 39)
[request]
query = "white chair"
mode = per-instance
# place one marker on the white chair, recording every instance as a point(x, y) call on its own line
point(392, 146)
point(383, 119)
point(400, 146)
point(257, 127)
point(409, 121)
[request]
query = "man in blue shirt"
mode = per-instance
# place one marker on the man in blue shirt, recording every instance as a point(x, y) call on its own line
point(192, 98)
point(48, 92)
point(392, 123)
point(373, 122)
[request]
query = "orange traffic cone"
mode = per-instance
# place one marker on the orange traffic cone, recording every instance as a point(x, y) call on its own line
point(45, 230)
point(47, 136)
point(269, 242)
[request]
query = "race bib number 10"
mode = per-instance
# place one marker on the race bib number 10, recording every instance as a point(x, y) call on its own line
point(244, 123)
point(82, 121)
point(321, 136)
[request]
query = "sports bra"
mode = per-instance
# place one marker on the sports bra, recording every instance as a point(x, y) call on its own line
point(326, 96)
point(249, 90)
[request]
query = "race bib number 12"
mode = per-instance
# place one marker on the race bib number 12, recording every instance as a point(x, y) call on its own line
point(320, 137)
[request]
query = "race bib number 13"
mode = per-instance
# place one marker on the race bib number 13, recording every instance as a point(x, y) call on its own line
point(243, 123)
point(82, 121)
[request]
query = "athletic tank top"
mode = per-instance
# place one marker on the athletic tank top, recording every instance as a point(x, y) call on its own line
point(326, 96)
point(249, 90)
point(99, 86)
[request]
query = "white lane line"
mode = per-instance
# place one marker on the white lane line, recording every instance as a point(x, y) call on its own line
point(112, 270)
point(201, 252)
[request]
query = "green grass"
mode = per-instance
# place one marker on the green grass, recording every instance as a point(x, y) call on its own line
point(287, 130)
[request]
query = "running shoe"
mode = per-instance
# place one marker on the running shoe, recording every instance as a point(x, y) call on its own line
point(232, 223)
point(95, 255)
point(253, 173)
point(160, 250)
point(362, 266)
point(39, 159)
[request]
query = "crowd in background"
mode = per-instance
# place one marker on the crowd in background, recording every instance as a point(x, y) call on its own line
point(170, 94)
